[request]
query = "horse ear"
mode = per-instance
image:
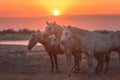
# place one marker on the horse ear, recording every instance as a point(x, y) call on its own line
point(63, 26)
point(54, 22)
point(47, 22)
point(68, 26)
point(33, 33)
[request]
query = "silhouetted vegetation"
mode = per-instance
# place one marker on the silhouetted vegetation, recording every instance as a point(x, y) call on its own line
point(103, 31)
point(11, 34)
point(8, 31)
point(25, 31)
point(16, 31)
point(31, 31)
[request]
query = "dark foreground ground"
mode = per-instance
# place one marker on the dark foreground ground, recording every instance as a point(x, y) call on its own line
point(16, 63)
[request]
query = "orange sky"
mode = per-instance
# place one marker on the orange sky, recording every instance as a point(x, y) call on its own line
point(37, 8)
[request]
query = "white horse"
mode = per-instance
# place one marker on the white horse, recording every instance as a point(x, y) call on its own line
point(115, 37)
point(53, 28)
point(70, 50)
point(37, 37)
point(91, 42)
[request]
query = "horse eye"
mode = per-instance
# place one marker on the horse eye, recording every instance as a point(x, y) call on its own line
point(66, 33)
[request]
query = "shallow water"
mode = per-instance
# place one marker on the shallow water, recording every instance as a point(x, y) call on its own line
point(15, 42)
point(90, 22)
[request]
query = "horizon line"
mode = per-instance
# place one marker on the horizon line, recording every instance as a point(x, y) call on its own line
point(62, 16)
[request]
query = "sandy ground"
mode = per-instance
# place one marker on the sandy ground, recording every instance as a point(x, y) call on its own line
point(17, 63)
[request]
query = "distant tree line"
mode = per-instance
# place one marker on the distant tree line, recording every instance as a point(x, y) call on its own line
point(17, 31)
point(31, 31)
point(103, 31)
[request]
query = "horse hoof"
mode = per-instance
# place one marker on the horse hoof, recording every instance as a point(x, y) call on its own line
point(76, 70)
point(69, 74)
point(90, 75)
point(51, 71)
point(57, 71)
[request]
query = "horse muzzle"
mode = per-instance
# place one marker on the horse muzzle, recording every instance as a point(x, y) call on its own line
point(62, 42)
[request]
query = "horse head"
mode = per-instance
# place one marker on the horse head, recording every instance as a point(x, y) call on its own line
point(49, 29)
point(66, 34)
point(34, 39)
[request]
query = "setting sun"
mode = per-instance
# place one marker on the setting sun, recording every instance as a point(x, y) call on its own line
point(56, 12)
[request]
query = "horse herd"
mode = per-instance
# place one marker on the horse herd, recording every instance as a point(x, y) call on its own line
point(73, 41)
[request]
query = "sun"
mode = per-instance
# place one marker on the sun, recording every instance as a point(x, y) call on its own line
point(56, 12)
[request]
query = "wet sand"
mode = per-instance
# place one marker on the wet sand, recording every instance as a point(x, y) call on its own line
point(17, 63)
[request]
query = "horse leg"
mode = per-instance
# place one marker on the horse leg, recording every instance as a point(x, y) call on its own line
point(98, 57)
point(77, 64)
point(56, 64)
point(102, 62)
point(69, 58)
point(107, 59)
point(98, 64)
point(119, 55)
point(52, 64)
point(74, 67)
point(80, 60)
point(90, 60)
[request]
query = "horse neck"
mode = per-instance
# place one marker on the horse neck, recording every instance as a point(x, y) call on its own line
point(81, 32)
point(84, 32)
point(46, 42)
point(42, 42)
point(58, 32)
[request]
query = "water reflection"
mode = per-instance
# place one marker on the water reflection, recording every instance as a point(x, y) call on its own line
point(15, 42)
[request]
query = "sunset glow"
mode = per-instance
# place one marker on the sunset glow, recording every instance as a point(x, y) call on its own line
point(61, 5)
point(37, 8)
point(56, 12)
